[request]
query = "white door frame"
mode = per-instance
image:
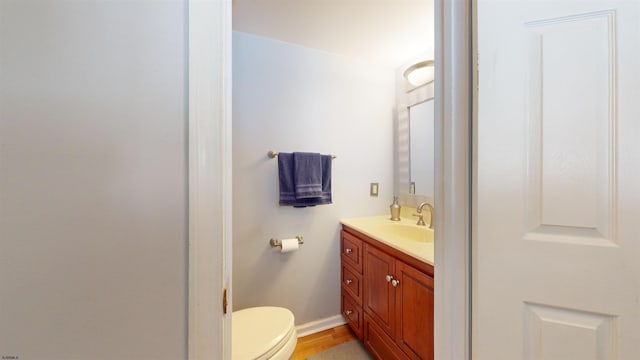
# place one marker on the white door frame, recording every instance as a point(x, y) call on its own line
point(210, 191)
point(210, 188)
point(454, 114)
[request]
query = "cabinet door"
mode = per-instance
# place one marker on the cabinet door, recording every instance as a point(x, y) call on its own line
point(379, 295)
point(414, 312)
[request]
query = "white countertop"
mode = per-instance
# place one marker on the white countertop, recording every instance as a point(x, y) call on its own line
point(381, 228)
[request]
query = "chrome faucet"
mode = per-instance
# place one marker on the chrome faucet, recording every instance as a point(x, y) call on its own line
point(419, 214)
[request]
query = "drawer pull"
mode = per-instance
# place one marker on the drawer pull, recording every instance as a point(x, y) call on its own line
point(347, 251)
point(395, 282)
point(388, 278)
point(348, 312)
point(349, 281)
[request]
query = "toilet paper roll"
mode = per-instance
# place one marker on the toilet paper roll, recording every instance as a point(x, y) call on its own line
point(289, 245)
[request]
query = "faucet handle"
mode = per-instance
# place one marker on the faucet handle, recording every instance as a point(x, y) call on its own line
point(420, 219)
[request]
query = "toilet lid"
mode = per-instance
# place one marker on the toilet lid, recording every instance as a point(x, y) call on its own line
point(259, 332)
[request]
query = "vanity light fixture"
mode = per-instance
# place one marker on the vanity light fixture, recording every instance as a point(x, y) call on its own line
point(419, 74)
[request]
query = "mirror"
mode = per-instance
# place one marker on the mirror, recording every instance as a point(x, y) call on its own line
point(415, 147)
point(421, 149)
point(414, 155)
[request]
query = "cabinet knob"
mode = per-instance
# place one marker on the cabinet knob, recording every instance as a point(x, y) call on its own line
point(395, 282)
point(347, 251)
point(388, 278)
point(349, 281)
point(348, 312)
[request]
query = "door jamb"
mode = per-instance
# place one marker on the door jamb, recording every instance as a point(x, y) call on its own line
point(210, 191)
point(210, 177)
point(454, 115)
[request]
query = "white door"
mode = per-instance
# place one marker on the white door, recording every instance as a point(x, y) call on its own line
point(557, 256)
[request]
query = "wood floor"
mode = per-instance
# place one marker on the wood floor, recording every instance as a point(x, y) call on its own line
point(321, 341)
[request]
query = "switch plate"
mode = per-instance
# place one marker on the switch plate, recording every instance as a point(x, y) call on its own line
point(373, 189)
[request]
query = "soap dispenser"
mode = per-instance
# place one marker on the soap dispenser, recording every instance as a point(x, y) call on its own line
point(395, 209)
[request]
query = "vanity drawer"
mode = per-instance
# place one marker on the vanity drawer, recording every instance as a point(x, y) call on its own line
point(352, 283)
point(351, 250)
point(352, 312)
point(379, 343)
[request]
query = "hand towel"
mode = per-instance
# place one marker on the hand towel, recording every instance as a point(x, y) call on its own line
point(325, 198)
point(307, 175)
point(286, 181)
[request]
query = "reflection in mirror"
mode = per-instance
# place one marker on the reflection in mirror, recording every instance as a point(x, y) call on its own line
point(421, 149)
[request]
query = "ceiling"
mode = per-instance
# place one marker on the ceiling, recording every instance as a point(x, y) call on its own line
point(384, 32)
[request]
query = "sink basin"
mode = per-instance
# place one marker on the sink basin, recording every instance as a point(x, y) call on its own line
point(404, 235)
point(407, 232)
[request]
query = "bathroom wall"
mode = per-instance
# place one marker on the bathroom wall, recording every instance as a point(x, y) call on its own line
point(93, 224)
point(290, 98)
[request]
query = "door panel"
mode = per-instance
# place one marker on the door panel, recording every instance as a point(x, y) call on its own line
point(379, 294)
point(414, 304)
point(571, 138)
point(556, 270)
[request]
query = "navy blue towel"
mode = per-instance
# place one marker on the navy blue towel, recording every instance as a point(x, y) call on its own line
point(307, 169)
point(287, 182)
point(325, 198)
point(285, 176)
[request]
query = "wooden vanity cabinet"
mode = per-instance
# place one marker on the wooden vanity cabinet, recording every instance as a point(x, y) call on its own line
point(397, 301)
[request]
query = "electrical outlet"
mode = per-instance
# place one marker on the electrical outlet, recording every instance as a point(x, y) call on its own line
point(373, 189)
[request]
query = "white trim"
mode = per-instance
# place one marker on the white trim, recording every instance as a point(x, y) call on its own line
point(319, 325)
point(453, 108)
point(209, 53)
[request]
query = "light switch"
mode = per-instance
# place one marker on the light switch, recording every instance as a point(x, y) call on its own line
point(373, 189)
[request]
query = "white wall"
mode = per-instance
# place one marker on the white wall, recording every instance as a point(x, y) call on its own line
point(93, 180)
point(289, 98)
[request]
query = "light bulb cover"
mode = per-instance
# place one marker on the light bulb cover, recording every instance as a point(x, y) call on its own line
point(421, 73)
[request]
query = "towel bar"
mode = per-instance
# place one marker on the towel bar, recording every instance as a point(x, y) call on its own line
point(272, 154)
point(277, 243)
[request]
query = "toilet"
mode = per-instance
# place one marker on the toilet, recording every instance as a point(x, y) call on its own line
point(261, 333)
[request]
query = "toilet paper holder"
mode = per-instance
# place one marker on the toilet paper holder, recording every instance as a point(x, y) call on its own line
point(278, 243)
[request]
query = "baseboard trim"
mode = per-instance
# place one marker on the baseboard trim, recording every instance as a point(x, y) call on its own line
point(319, 325)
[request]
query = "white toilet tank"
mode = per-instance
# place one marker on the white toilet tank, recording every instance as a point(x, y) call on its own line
point(261, 333)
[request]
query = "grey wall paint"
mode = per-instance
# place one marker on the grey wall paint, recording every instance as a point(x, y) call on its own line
point(289, 98)
point(93, 180)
